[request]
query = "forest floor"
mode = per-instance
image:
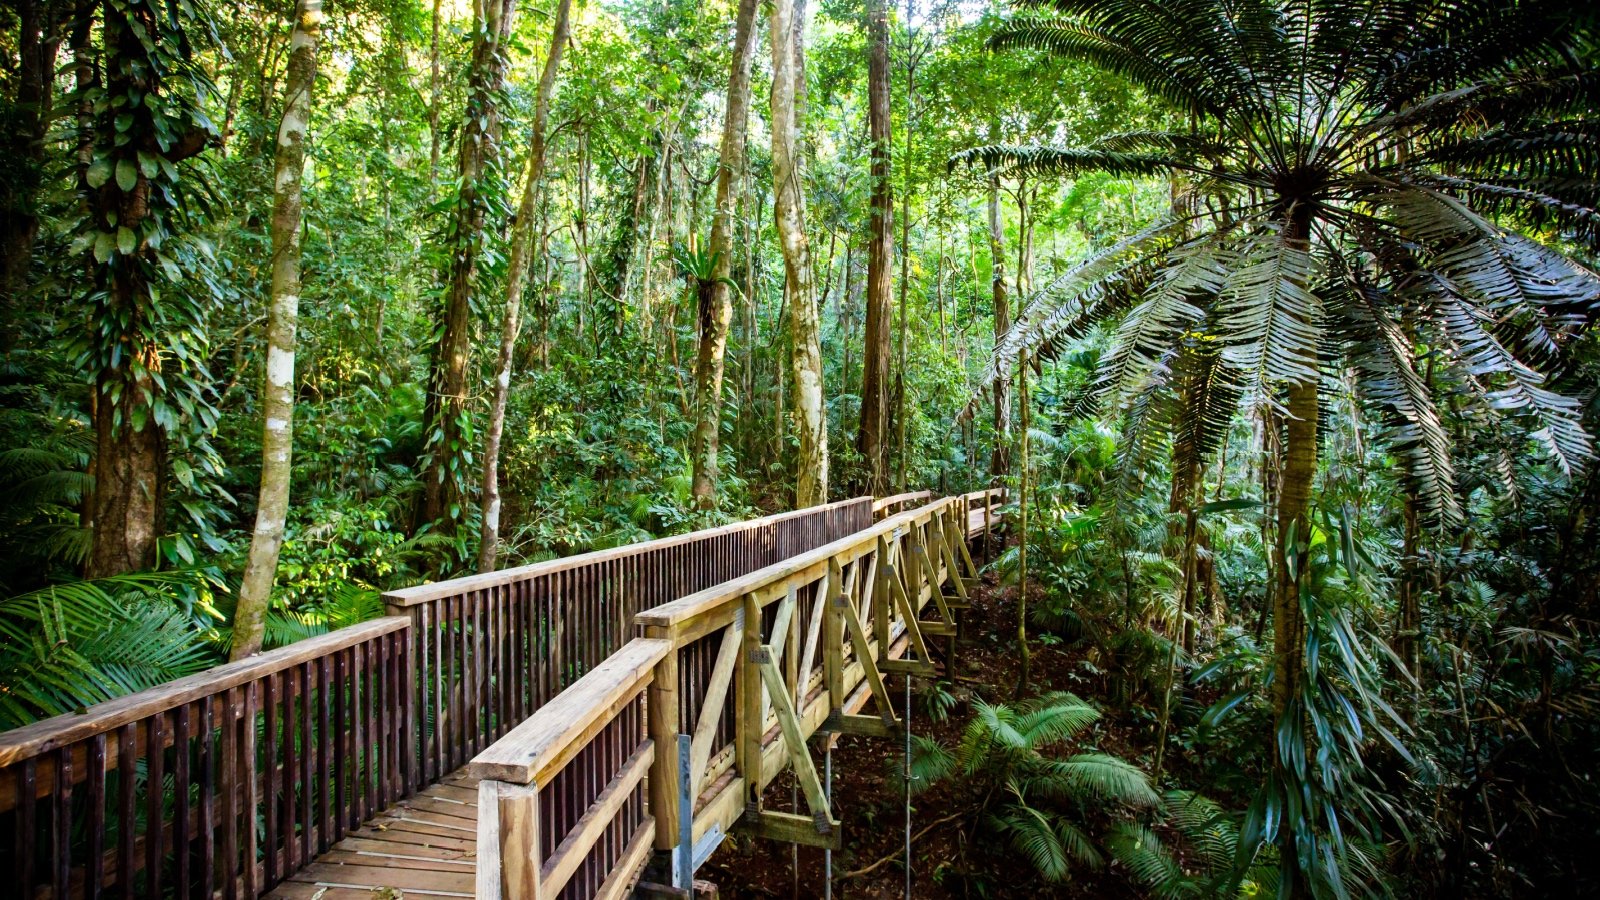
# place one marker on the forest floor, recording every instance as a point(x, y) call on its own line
point(953, 853)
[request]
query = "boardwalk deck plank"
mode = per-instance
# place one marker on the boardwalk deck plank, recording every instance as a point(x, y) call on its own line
point(424, 846)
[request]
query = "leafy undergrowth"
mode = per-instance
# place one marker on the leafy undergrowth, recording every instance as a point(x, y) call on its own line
point(955, 853)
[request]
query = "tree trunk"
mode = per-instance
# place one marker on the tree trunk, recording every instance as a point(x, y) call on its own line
point(1297, 476)
point(444, 464)
point(1000, 460)
point(872, 439)
point(433, 103)
point(22, 146)
point(132, 325)
point(1023, 496)
point(715, 304)
point(523, 233)
point(805, 331)
point(277, 396)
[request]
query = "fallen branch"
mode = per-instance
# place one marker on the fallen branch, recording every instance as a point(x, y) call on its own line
point(929, 827)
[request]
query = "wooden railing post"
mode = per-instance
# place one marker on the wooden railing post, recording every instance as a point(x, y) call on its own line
point(509, 857)
point(750, 721)
point(664, 729)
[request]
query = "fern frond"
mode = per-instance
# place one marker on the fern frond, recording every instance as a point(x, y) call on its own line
point(1272, 318)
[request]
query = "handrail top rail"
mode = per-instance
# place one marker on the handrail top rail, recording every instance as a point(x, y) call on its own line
point(41, 737)
point(886, 502)
point(534, 750)
point(985, 492)
point(433, 590)
point(691, 606)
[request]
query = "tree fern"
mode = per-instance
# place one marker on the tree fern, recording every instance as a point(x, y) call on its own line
point(1322, 190)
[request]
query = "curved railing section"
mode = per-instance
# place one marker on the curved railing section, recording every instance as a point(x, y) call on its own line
point(744, 674)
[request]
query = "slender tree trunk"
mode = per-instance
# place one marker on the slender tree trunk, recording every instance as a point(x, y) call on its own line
point(805, 331)
point(433, 102)
point(523, 234)
point(1022, 536)
point(37, 41)
point(715, 303)
point(444, 467)
point(1297, 476)
point(872, 439)
point(277, 396)
point(1000, 460)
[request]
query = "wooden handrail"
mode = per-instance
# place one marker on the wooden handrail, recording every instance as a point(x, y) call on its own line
point(693, 606)
point(434, 590)
point(50, 734)
point(575, 770)
point(899, 499)
point(533, 751)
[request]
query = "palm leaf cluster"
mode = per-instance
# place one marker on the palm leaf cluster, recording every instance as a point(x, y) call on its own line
point(1401, 188)
point(69, 646)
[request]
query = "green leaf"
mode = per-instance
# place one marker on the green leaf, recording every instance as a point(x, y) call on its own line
point(127, 241)
point(127, 174)
point(98, 173)
point(1217, 506)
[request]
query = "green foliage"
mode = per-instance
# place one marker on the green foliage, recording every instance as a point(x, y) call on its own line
point(69, 646)
point(1038, 798)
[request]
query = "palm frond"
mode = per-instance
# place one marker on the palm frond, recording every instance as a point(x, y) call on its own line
point(1107, 778)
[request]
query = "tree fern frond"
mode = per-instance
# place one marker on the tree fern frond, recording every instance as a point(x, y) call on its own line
point(1510, 102)
point(1131, 60)
point(1177, 144)
point(1207, 399)
point(1380, 348)
point(1272, 319)
point(1079, 296)
point(1063, 162)
point(1560, 428)
point(1196, 269)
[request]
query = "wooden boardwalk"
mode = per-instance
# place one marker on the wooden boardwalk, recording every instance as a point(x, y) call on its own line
point(338, 768)
point(423, 846)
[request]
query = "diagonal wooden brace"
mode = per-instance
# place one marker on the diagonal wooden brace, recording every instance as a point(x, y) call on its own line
point(799, 756)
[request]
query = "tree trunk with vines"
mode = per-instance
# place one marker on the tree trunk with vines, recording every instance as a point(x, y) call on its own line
point(714, 297)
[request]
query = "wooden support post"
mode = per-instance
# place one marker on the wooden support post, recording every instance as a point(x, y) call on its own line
point(833, 660)
point(509, 855)
point(910, 571)
point(881, 599)
point(664, 729)
point(988, 516)
point(749, 721)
